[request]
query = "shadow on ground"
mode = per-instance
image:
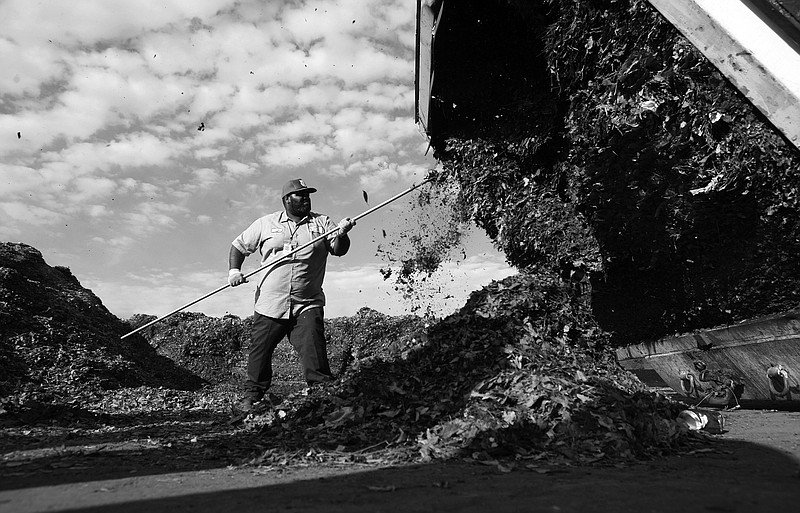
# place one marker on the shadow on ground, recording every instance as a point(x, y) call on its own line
point(726, 476)
point(121, 446)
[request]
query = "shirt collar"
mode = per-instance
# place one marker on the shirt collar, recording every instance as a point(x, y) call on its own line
point(284, 218)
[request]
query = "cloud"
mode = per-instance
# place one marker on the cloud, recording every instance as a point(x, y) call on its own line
point(97, 211)
point(73, 24)
point(89, 187)
point(149, 218)
point(378, 174)
point(294, 154)
point(147, 126)
point(18, 180)
point(235, 169)
point(120, 242)
point(29, 214)
point(205, 177)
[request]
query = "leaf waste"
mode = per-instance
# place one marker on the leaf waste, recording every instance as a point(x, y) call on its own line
point(519, 376)
point(593, 133)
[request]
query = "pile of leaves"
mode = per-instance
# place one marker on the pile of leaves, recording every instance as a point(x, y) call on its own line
point(596, 133)
point(211, 348)
point(520, 373)
point(216, 349)
point(57, 340)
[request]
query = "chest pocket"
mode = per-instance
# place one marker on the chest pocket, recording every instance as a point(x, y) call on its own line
point(316, 230)
point(272, 244)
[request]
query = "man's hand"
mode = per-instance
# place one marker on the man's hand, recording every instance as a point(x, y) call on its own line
point(345, 225)
point(236, 278)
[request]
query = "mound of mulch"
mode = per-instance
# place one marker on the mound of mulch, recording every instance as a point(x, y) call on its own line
point(520, 373)
point(58, 340)
point(594, 132)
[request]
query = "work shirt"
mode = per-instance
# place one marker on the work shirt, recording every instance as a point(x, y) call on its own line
point(295, 284)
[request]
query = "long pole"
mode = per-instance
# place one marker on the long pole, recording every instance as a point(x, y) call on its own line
point(281, 259)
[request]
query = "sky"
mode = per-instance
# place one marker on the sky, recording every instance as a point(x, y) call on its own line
point(137, 139)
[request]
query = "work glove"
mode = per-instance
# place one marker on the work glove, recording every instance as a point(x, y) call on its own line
point(345, 225)
point(235, 277)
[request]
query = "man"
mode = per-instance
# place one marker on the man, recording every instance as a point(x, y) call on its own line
point(289, 299)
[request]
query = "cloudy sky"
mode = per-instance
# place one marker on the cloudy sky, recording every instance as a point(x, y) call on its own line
point(137, 139)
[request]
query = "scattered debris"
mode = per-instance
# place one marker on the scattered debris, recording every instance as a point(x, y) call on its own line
point(701, 419)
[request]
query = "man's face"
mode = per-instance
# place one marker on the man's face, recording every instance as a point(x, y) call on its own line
point(298, 204)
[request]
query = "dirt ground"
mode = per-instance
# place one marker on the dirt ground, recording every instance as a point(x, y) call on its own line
point(753, 466)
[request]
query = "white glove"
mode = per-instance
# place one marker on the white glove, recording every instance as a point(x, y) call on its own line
point(345, 225)
point(235, 277)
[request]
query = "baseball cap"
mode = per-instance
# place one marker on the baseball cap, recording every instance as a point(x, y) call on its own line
point(296, 185)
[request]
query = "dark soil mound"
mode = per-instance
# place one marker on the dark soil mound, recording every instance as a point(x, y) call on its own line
point(56, 337)
point(212, 348)
point(216, 348)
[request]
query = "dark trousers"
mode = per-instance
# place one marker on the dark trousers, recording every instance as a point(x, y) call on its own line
point(306, 333)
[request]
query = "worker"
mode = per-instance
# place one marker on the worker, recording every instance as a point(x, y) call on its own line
point(289, 300)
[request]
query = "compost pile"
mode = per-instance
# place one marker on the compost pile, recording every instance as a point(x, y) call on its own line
point(58, 342)
point(593, 134)
point(519, 375)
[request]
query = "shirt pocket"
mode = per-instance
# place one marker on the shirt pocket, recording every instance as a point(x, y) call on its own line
point(271, 244)
point(316, 230)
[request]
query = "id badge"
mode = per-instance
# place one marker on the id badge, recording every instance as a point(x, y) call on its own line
point(289, 246)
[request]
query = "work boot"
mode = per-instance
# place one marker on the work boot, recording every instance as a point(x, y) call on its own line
point(246, 404)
